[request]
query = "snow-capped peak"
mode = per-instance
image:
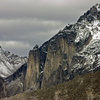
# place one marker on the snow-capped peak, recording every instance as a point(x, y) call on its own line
point(94, 28)
point(9, 63)
point(89, 24)
point(91, 15)
point(97, 6)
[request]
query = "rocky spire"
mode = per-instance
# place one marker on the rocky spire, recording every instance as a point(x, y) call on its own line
point(92, 14)
point(35, 47)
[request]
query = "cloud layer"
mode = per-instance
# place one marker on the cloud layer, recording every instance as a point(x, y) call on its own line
point(24, 23)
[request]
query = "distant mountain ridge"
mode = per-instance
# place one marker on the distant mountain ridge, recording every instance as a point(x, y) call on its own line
point(10, 63)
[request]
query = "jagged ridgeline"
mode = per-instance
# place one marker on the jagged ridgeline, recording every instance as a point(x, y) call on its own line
point(73, 51)
point(12, 72)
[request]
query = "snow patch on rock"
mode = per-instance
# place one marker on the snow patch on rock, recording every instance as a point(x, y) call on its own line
point(9, 63)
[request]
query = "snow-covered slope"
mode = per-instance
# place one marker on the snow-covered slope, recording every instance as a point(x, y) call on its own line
point(88, 29)
point(9, 63)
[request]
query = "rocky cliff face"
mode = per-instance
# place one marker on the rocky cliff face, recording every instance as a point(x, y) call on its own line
point(32, 74)
point(15, 82)
point(74, 50)
point(3, 92)
point(58, 59)
point(12, 71)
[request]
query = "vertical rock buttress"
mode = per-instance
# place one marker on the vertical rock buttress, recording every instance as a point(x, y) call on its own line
point(32, 74)
point(57, 62)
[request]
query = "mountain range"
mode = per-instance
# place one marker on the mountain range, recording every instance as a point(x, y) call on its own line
point(70, 60)
point(9, 63)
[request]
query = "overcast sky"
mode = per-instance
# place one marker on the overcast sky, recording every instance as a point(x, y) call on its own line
point(24, 23)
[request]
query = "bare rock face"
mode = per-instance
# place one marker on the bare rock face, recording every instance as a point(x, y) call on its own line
point(32, 74)
point(59, 56)
point(73, 51)
point(2, 88)
point(15, 82)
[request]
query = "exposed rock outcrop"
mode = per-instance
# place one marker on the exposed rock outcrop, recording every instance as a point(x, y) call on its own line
point(15, 82)
point(3, 91)
point(73, 51)
point(32, 74)
point(58, 60)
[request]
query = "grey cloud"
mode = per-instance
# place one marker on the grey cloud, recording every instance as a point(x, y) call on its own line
point(35, 21)
point(64, 10)
point(16, 46)
point(26, 29)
